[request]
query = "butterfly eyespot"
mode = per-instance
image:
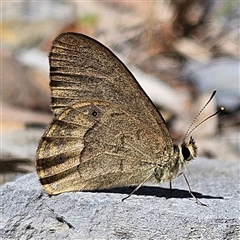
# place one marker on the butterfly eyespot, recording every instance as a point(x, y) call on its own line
point(60, 158)
point(94, 113)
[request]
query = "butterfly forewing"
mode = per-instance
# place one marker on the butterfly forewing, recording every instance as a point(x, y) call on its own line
point(83, 70)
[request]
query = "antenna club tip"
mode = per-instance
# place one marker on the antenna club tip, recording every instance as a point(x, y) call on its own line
point(222, 108)
point(213, 94)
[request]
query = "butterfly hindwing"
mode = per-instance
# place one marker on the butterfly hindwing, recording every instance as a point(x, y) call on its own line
point(96, 145)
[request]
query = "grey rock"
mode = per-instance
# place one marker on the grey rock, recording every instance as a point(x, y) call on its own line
point(154, 212)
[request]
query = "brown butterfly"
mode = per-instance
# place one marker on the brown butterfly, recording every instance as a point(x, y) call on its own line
point(106, 132)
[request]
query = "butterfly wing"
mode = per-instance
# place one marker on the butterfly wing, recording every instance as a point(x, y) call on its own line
point(83, 70)
point(96, 145)
point(106, 131)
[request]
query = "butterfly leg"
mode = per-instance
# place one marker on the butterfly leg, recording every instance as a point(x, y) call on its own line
point(190, 190)
point(145, 180)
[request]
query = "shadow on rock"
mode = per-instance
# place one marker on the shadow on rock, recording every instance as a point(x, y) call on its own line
point(158, 192)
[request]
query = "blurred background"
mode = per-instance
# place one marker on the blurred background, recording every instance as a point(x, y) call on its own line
point(179, 51)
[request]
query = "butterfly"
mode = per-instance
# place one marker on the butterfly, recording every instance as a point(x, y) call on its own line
point(105, 131)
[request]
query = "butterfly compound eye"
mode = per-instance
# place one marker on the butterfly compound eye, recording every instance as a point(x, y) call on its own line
point(185, 152)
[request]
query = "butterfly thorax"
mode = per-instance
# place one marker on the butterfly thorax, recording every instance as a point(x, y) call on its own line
point(181, 154)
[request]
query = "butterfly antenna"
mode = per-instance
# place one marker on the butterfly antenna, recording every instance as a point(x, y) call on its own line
point(189, 131)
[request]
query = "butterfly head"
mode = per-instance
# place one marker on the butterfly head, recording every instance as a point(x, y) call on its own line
point(188, 150)
point(181, 154)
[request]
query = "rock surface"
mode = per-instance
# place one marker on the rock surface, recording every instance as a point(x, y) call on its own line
point(154, 212)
